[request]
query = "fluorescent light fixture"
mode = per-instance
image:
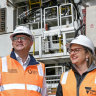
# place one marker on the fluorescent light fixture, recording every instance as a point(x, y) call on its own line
point(77, 1)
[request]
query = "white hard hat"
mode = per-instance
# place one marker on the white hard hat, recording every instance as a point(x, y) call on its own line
point(84, 41)
point(22, 30)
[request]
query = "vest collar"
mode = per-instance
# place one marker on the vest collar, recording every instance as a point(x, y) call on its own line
point(31, 62)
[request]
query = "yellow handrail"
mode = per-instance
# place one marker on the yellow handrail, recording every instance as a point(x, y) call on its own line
point(33, 3)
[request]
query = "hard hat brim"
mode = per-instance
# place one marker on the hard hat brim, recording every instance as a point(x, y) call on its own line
point(15, 34)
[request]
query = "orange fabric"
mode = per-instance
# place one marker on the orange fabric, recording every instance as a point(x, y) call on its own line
point(16, 74)
point(0, 70)
point(88, 86)
point(0, 74)
point(69, 89)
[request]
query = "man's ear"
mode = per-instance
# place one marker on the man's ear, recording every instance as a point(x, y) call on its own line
point(32, 43)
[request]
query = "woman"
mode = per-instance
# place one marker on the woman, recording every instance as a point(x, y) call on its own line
point(81, 79)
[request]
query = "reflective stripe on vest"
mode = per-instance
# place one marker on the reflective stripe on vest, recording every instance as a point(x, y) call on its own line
point(40, 70)
point(64, 79)
point(13, 86)
point(34, 88)
point(4, 64)
point(95, 80)
point(21, 86)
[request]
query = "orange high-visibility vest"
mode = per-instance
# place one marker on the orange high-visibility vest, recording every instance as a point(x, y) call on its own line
point(87, 86)
point(17, 82)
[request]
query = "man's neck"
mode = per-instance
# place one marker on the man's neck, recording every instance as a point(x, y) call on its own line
point(22, 55)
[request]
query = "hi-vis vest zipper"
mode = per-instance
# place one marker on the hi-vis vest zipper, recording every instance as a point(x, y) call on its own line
point(17, 82)
point(87, 86)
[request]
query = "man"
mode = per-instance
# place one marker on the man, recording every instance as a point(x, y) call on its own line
point(21, 74)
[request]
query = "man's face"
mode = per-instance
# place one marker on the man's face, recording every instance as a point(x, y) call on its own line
point(21, 43)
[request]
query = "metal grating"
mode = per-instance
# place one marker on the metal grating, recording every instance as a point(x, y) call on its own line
point(2, 19)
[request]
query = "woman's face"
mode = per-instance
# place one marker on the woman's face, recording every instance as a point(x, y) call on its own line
point(78, 54)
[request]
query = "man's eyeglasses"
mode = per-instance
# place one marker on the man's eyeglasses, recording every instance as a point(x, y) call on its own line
point(76, 50)
point(17, 38)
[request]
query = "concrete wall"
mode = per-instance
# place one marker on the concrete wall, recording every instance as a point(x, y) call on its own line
point(5, 45)
point(91, 23)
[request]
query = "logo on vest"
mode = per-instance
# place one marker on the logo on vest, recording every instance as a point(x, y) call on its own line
point(12, 70)
point(90, 91)
point(30, 71)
